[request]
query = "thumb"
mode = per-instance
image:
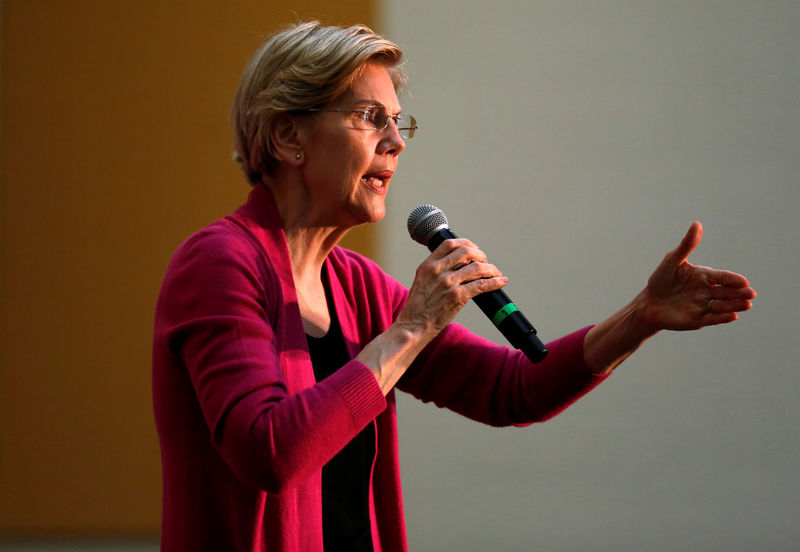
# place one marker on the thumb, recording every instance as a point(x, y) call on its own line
point(688, 244)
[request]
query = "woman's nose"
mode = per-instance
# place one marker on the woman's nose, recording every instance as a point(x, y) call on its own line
point(392, 142)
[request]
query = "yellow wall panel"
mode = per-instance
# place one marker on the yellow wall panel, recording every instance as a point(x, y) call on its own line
point(116, 146)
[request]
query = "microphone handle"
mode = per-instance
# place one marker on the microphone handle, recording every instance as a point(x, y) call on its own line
point(502, 311)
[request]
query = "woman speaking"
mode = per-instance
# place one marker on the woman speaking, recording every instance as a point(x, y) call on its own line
point(277, 352)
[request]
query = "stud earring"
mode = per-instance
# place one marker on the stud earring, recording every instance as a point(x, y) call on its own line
point(299, 156)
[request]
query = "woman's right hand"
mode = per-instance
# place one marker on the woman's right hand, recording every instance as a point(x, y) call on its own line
point(453, 274)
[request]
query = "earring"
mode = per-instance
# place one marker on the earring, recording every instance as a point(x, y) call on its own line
point(299, 156)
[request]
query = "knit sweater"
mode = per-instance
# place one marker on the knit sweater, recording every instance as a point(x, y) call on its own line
point(244, 427)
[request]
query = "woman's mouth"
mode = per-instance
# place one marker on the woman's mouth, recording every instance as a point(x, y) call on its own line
point(377, 181)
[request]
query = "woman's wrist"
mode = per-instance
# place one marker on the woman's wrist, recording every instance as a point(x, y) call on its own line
point(612, 341)
point(391, 353)
point(641, 326)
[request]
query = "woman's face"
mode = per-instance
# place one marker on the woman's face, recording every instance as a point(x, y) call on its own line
point(347, 169)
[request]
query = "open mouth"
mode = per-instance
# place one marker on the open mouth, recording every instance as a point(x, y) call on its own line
point(377, 180)
point(373, 181)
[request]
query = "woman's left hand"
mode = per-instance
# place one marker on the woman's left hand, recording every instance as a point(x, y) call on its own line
point(681, 296)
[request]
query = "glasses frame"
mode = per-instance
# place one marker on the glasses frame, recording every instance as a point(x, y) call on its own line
point(410, 131)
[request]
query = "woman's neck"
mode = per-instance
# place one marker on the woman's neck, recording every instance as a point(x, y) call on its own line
point(310, 238)
point(310, 241)
point(308, 249)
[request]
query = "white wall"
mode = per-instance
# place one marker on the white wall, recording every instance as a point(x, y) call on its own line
point(575, 141)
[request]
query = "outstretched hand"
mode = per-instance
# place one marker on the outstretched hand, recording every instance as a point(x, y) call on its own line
point(682, 296)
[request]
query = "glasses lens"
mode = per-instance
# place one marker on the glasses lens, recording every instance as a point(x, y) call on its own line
point(407, 125)
point(378, 118)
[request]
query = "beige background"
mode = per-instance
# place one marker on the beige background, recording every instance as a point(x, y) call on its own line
point(576, 141)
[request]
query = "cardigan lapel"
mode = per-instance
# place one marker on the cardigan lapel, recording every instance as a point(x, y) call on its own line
point(262, 219)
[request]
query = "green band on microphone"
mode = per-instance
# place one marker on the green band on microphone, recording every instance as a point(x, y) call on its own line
point(501, 315)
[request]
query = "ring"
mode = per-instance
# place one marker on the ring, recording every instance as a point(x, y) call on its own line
point(708, 305)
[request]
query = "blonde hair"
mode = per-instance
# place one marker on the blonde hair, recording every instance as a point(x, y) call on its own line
point(302, 67)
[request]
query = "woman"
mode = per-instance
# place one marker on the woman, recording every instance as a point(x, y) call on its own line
point(276, 352)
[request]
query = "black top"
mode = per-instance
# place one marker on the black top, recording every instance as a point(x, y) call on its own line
point(345, 478)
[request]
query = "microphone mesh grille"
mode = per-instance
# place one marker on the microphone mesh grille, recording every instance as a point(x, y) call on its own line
point(424, 221)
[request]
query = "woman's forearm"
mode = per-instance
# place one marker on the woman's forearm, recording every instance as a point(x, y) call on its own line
point(609, 343)
point(390, 354)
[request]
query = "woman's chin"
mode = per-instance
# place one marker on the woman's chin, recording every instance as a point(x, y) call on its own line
point(372, 211)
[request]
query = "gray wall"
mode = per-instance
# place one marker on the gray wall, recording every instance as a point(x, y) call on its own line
point(576, 141)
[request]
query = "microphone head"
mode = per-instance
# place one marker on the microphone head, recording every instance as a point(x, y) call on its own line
point(424, 222)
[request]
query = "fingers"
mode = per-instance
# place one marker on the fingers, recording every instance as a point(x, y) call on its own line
point(726, 278)
point(460, 261)
point(725, 293)
point(723, 310)
point(453, 274)
point(457, 252)
point(462, 266)
point(478, 278)
point(722, 306)
point(717, 319)
point(466, 266)
point(725, 301)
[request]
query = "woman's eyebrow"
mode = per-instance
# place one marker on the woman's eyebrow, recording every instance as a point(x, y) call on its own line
point(368, 103)
point(372, 103)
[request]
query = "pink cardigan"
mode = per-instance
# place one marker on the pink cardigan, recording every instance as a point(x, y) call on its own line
point(244, 427)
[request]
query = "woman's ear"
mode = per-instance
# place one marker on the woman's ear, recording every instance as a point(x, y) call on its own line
point(287, 140)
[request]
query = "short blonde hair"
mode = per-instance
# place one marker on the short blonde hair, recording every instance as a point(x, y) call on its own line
point(302, 67)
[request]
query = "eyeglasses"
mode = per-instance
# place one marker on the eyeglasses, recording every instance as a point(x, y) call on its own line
point(377, 118)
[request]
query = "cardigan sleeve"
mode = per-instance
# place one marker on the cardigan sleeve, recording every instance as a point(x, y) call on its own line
point(221, 319)
point(480, 379)
point(497, 385)
point(473, 376)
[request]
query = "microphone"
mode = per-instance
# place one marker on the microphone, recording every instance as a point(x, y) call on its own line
point(428, 225)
